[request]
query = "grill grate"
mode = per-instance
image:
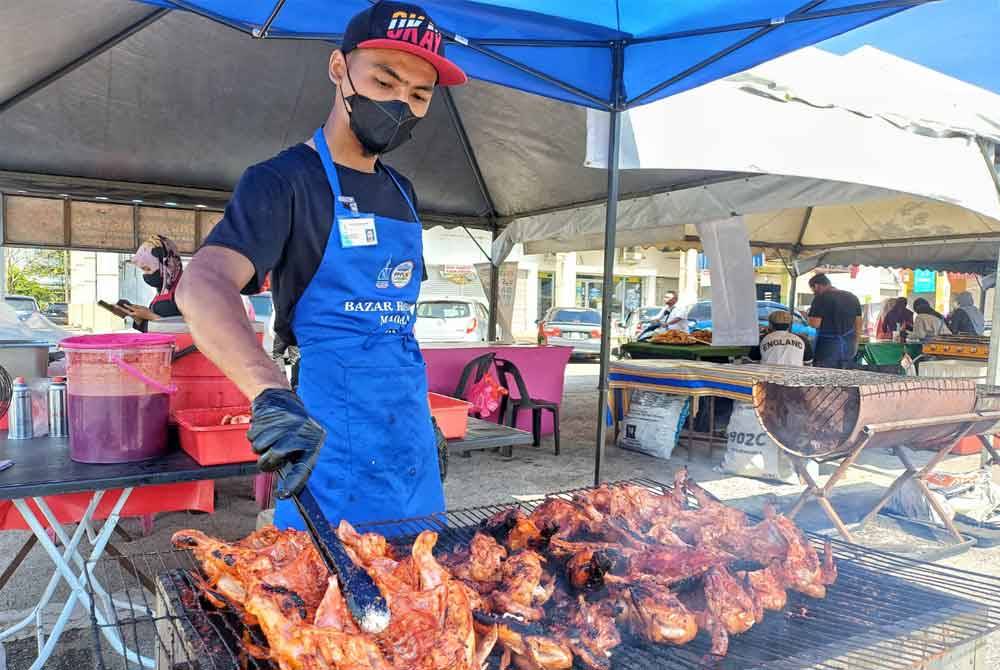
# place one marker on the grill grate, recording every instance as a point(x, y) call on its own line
point(884, 613)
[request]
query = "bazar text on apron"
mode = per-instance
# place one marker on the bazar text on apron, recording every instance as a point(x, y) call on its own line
point(362, 375)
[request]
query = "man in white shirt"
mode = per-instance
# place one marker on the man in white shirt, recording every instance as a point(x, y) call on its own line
point(677, 319)
point(781, 346)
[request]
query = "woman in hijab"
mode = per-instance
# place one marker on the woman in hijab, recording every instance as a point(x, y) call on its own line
point(880, 332)
point(161, 267)
point(927, 323)
point(966, 319)
point(899, 317)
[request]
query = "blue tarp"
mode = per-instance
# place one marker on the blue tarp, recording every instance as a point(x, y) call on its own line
point(956, 37)
point(571, 50)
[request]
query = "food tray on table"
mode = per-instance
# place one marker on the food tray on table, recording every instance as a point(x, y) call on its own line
point(217, 435)
point(882, 612)
point(682, 338)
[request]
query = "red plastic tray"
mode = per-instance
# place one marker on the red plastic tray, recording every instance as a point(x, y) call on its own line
point(452, 415)
point(204, 392)
point(208, 442)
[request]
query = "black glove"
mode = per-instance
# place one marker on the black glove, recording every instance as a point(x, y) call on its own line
point(282, 432)
point(442, 449)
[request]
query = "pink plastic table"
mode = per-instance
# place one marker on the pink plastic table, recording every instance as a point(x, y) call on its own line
point(543, 369)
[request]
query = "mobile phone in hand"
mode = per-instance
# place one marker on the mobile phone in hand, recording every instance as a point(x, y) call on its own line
point(118, 310)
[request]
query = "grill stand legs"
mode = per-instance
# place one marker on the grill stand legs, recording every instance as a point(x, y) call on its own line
point(822, 493)
point(917, 475)
point(102, 610)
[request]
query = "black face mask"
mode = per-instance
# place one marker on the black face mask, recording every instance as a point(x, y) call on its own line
point(154, 279)
point(379, 126)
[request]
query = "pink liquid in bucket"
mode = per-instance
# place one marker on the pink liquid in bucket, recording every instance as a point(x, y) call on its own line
point(117, 406)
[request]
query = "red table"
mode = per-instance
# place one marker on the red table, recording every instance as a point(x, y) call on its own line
point(543, 369)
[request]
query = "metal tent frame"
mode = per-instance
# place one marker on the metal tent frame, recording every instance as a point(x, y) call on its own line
point(615, 103)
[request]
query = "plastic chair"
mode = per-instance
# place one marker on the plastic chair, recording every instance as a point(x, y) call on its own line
point(511, 407)
point(473, 371)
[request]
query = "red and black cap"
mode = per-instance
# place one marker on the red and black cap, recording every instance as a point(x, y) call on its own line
point(404, 27)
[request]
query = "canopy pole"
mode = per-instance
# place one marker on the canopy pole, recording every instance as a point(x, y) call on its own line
point(793, 293)
point(992, 377)
point(494, 296)
point(610, 226)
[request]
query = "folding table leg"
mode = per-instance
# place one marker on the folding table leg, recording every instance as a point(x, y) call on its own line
point(76, 557)
point(78, 592)
point(70, 547)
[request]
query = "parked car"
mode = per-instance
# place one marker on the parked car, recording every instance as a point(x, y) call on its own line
point(24, 305)
point(451, 320)
point(577, 327)
point(639, 318)
point(699, 316)
point(57, 313)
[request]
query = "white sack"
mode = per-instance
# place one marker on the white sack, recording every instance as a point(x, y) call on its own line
point(750, 451)
point(653, 423)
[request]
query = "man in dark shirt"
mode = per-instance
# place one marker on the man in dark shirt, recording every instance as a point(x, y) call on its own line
point(339, 233)
point(836, 316)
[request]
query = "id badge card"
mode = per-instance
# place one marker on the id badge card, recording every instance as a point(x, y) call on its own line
point(357, 231)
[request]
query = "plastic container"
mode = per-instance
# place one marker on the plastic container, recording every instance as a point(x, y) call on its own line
point(118, 389)
point(968, 445)
point(208, 442)
point(452, 415)
point(200, 383)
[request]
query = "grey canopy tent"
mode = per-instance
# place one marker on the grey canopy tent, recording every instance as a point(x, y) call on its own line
point(117, 102)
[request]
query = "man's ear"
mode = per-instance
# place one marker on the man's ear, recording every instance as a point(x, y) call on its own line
point(337, 67)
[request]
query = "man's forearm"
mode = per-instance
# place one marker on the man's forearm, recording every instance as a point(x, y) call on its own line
point(219, 326)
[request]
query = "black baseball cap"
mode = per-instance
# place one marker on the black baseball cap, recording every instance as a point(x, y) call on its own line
point(404, 27)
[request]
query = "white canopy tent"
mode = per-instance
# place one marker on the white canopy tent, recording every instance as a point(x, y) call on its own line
point(863, 162)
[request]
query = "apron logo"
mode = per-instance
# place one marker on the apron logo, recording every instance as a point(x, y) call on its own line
point(382, 280)
point(402, 274)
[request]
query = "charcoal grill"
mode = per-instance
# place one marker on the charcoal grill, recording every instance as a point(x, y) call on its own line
point(884, 613)
point(825, 414)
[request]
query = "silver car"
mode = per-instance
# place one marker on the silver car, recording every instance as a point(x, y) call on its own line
point(451, 320)
point(577, 327)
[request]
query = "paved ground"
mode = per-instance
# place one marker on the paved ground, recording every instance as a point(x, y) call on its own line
point(483, 478)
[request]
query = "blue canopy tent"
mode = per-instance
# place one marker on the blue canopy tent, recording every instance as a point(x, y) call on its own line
point(608, 55)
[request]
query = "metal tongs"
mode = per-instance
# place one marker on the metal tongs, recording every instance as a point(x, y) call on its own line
point(365, 602)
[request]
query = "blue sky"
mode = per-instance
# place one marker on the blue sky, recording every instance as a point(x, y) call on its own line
point(960, 38)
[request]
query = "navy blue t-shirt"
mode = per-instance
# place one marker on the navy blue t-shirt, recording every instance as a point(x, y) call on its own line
point(281, 215)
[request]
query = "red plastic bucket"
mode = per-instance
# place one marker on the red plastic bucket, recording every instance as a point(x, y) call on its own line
point(118, 389)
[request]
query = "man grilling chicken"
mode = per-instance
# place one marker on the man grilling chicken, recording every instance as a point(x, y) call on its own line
point(338, 231)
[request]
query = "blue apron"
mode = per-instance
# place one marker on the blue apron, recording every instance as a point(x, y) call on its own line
point(362, 375)
point(834, 351)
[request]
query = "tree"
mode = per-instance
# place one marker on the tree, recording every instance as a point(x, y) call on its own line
point(39, 273)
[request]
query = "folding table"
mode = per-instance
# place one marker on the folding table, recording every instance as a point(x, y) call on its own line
point(42, 467)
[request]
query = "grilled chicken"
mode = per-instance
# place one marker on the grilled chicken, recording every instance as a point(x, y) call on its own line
point(295, 644)
point(768, 591)
point(546, 588)
point(654, 613)
point(589, 631)
point(479, 565)
point(729, 602)
point(284, 559)
point(533, 652)
point(522, 592)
